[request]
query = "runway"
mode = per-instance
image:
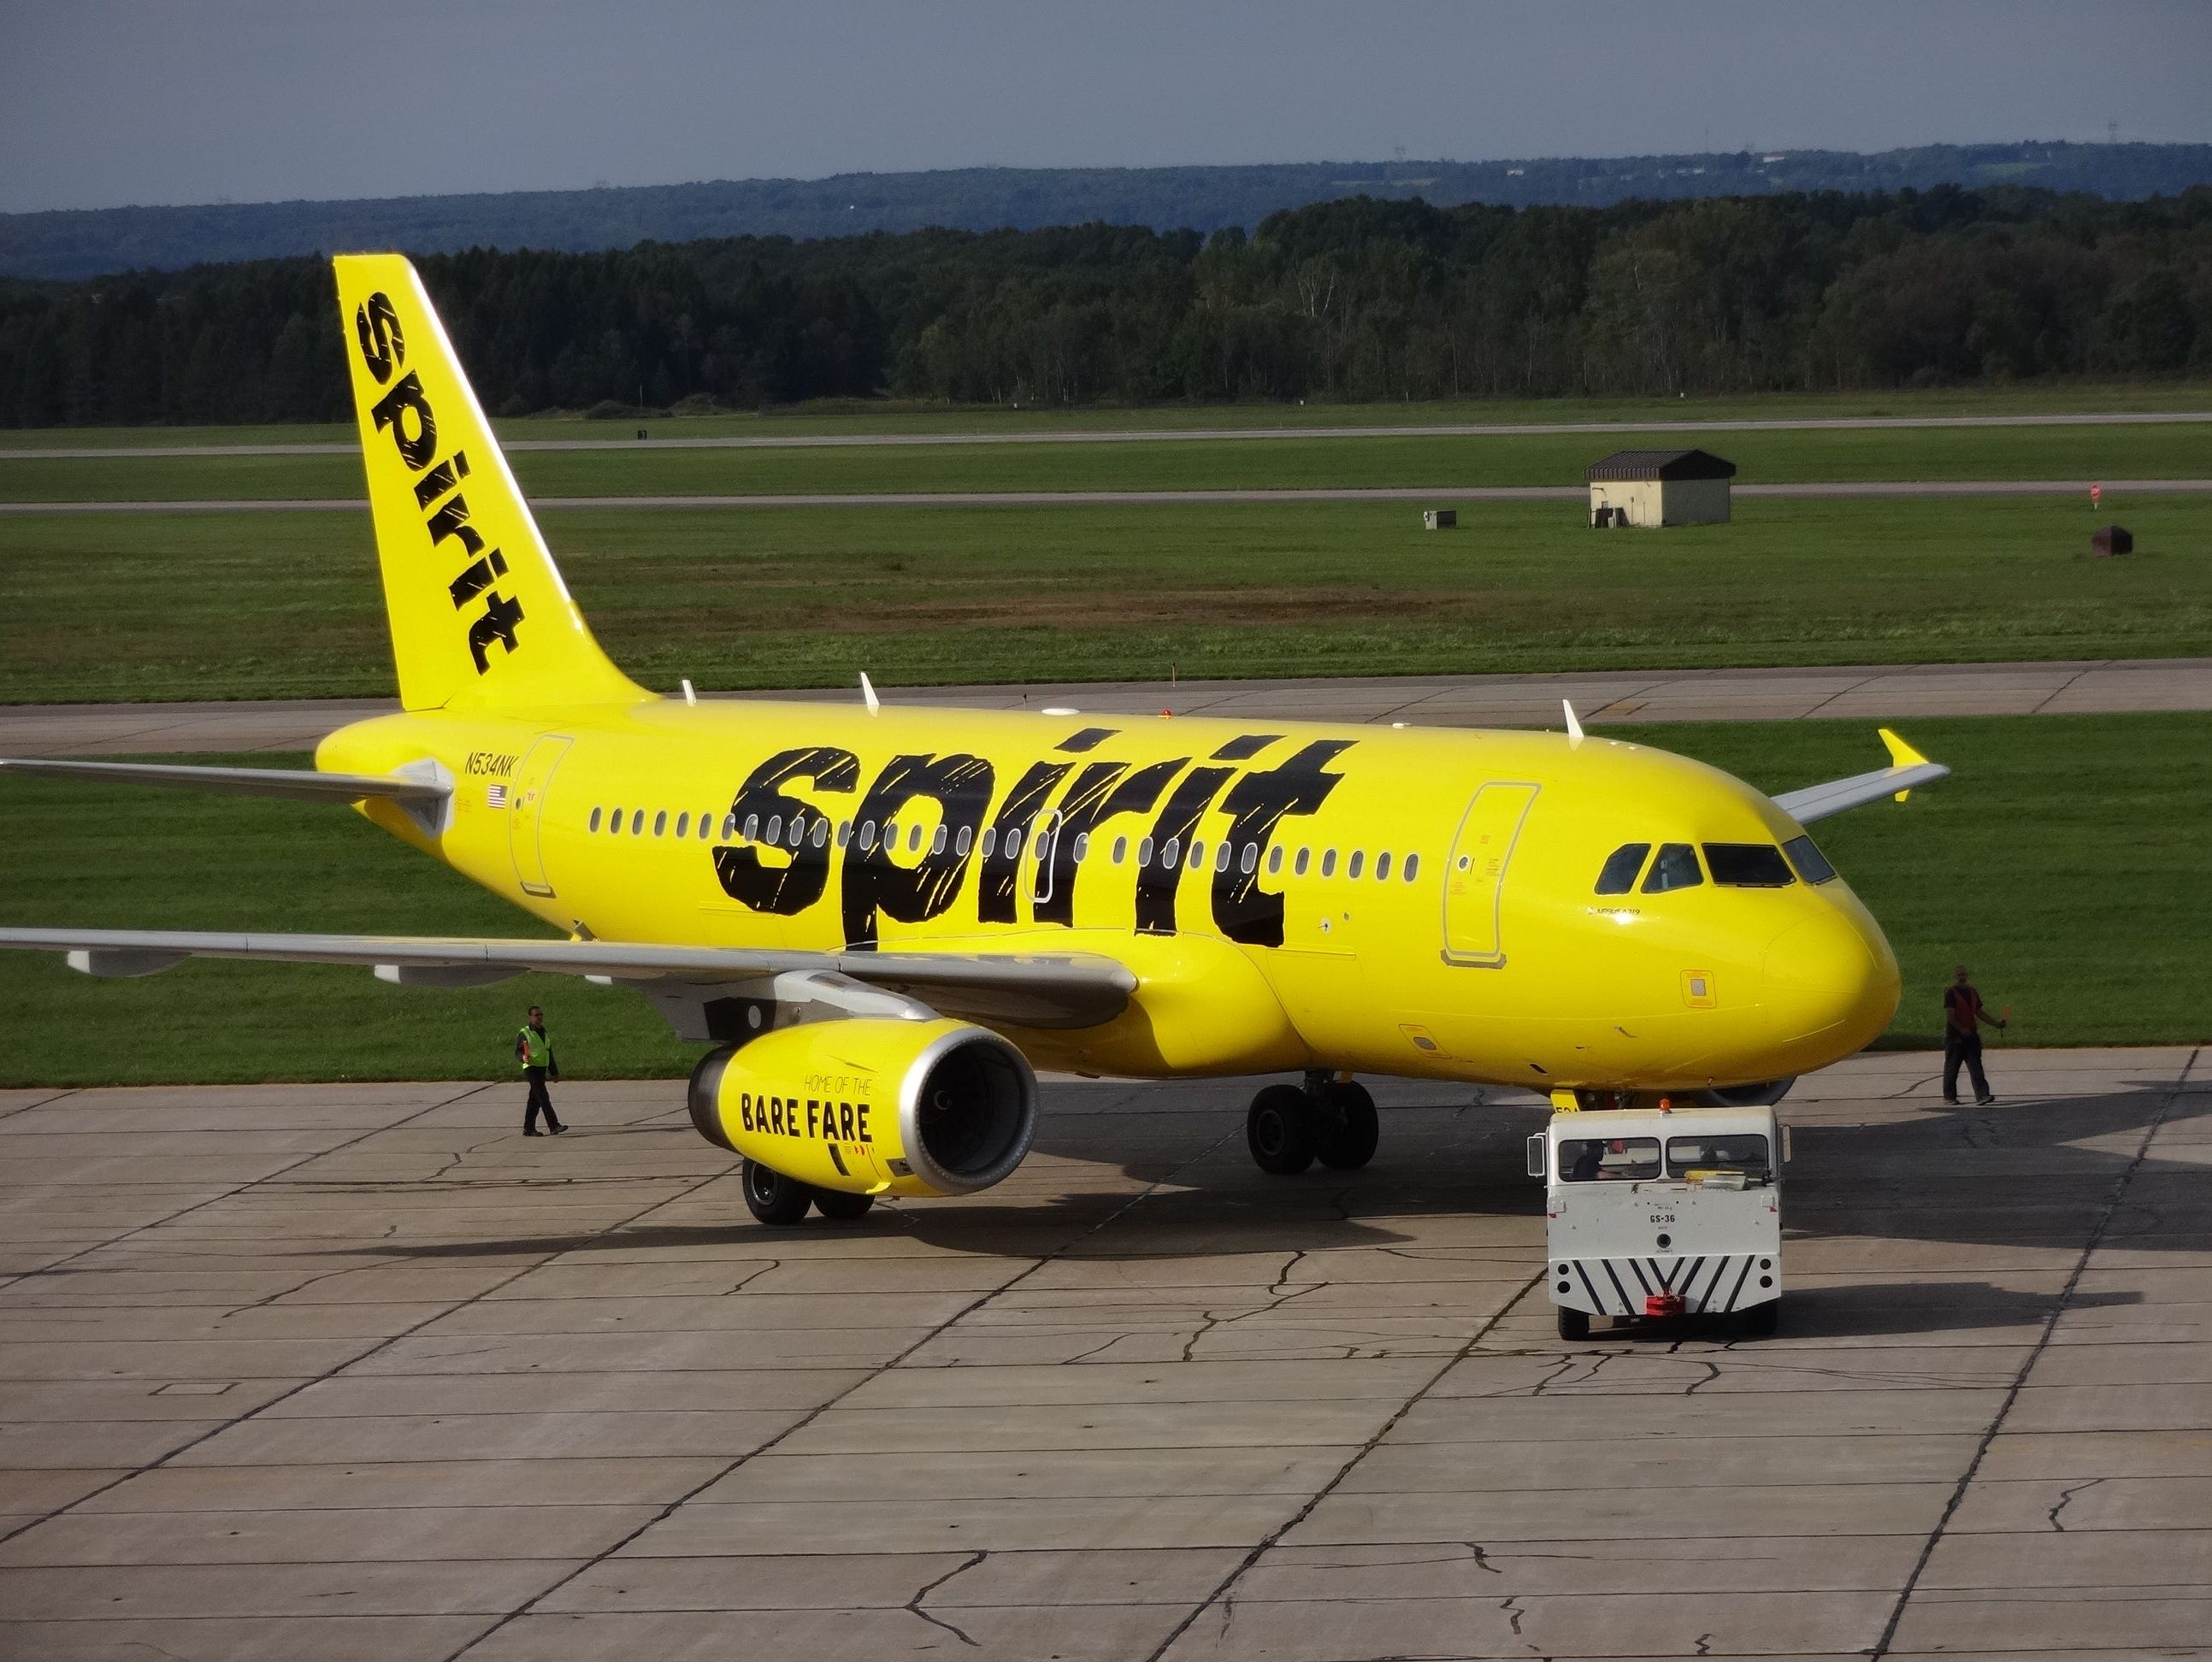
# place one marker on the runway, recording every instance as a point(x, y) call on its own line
point(356, 1372)
point(1862, 692)
point(1157, 435)
point(1806, 490)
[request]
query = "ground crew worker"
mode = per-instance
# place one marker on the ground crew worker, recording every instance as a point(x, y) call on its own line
point(534, 1050)
point(1964, 1012)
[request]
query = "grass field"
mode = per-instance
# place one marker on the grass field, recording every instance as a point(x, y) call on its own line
point(892, 416)
point(2065, 861)
point(273, 605)
point(2163, 451)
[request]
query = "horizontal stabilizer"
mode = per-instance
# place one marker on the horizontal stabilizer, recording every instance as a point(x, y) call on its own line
point(1069, 990)
point(300, 784)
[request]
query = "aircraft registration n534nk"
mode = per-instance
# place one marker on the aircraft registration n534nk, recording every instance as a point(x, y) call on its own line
point(882, 919)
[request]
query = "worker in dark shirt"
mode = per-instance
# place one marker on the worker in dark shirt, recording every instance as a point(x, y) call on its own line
point(1963, 1013)
point(534, 1050)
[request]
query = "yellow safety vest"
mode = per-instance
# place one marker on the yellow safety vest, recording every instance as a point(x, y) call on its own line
point(537, 1050)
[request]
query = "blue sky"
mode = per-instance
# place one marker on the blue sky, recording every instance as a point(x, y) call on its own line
point(105, 102)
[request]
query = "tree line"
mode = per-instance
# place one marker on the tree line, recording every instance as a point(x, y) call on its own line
point(1359, 299)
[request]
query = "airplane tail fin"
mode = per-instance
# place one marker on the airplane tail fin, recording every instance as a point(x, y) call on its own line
point(479, 612)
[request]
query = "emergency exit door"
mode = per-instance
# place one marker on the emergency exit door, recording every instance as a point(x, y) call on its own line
point(526, 813)
point(1474, 880)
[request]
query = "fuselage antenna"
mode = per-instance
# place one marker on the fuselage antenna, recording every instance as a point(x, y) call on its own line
point(868, 692)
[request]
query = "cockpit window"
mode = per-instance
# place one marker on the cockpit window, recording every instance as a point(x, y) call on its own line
point(1621, 867)
point(1748, 865)
point(1607, 1159)
point(1675, 868)
point(1812, 864)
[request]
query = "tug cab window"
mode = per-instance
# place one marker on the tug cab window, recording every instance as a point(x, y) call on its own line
point(1748, 865)
point(1621, 866)
point(1676, 867)
point(1607, 1159)
point(1812, 864)
point(1744, 1152)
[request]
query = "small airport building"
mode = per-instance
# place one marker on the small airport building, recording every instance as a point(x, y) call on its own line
point(1659, 488)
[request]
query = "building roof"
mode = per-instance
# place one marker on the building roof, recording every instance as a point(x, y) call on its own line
point(1661, 464)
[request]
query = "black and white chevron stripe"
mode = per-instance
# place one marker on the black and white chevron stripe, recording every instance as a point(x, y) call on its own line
point(1715, 1283)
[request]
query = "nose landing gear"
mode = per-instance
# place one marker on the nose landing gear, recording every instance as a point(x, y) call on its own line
point(1333, 1120)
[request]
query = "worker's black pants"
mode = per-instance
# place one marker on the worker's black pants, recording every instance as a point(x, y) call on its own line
point(541, 1099)
point(1963, 1047)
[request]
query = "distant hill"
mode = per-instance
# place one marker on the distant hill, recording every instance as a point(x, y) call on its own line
point(92, 242)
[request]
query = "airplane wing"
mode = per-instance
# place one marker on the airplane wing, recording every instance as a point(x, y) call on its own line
point(428, 788)
point(1069, 990)
point(1907, 769)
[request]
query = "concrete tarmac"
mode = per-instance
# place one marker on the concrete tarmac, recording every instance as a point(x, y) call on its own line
point(357, 1372)
point(1813, 488)
point(1862, 693)
point(1152, 435)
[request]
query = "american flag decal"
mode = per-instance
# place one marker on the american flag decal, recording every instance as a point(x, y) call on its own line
point(495, 796)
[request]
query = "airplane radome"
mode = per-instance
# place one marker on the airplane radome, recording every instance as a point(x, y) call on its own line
point(883, 918)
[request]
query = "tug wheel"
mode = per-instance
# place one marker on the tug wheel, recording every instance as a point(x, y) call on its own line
point(1574, 1325)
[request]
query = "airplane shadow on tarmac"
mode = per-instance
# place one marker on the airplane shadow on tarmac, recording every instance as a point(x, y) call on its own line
point(2033, 1173)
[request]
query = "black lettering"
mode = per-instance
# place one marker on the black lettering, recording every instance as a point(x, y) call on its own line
point(861, 1120)
point(1094, 799)
point(1242, 909)
point(1001, 869)
point(376, 326)
point(845, 1120)
point(476, 579)
point(391, 412)
point(441, 478)
point(1156, 883)
point(874, 882)
point(453, 521)
point(789, 889)
point(1245, 746)
point(813, 1116)
point(500, 614)
point(745, 1110)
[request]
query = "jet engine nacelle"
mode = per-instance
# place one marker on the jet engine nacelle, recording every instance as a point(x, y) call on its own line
point(872, 1106)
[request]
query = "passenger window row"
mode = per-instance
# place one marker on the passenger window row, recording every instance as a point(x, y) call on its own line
point(805, 829)
point(1732, 865)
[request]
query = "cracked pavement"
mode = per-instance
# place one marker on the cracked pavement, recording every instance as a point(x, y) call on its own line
point(356, 1371)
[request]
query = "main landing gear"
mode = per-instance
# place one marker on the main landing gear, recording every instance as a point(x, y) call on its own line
point(780, 1201)
point(1290, 1127)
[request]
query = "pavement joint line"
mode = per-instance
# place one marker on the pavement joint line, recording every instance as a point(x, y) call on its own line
point(814, 1413)
point(384, 1344)
point(1164, 435)
point(2064, 686)
point(25, 1107)
point(2168, 1101)
point(9, 1282)
point(1856, 686)
point(1382, 1431)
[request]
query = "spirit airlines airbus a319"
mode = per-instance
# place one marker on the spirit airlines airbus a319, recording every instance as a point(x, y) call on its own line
point(883, 918)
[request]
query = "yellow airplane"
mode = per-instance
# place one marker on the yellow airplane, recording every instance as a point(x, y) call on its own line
point(883, 918)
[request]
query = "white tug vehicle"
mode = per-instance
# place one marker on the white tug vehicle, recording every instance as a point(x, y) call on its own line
point(1655, 1213)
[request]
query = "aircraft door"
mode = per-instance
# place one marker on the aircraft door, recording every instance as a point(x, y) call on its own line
point(526, 813)
point(1474, 882)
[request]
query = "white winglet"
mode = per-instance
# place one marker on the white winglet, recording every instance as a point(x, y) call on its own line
point(1574, 722)
point(868, 692)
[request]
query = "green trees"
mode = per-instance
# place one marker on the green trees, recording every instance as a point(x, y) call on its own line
point(1356, 299)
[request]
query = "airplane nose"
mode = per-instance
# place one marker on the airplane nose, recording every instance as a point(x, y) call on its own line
point(1831, 975)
